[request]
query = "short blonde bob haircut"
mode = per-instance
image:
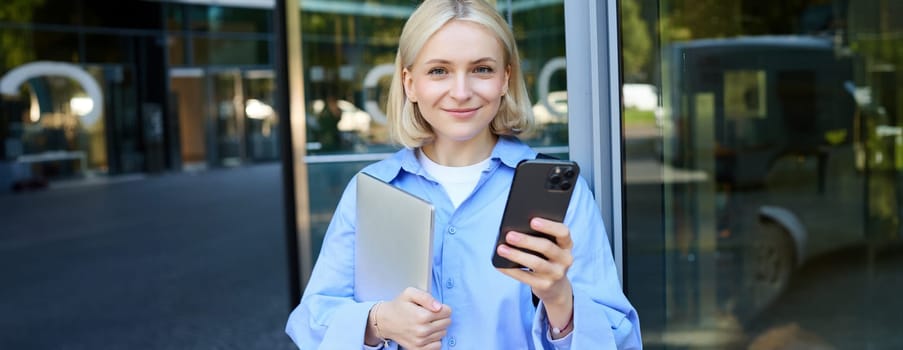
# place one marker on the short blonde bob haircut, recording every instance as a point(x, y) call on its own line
point(406, 124)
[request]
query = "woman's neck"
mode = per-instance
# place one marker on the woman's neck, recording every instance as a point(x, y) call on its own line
point(460, 153)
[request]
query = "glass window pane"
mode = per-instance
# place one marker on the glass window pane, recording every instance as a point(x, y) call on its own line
point(186, 95)
point(348, 59)
point(261, 122)
point(349, 52)
point(347, 66)
point(762, 157)
point(106, 48)
point(17, 48)
point(539, 29)
point(229, 19)
point(227, 116)
point(55, 46)
point(93, 225)
point(218, 51)
point(174, 16)
point(176, 49)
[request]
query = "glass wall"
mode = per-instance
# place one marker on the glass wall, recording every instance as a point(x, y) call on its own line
point(762, 194)
point(181, 85)
point(348, 54)
point(71, 91)
point(222, 83)
point(104, 242)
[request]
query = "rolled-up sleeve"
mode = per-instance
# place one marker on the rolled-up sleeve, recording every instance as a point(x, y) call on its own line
point(542, 335)
point(603, 317)
point(328, 317)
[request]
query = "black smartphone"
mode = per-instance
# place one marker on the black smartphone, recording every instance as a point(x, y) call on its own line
point(541, 188)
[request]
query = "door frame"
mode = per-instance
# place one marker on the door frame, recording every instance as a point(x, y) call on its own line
point(592, 41)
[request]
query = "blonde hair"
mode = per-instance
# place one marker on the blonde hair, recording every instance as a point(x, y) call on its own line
point(406, 125)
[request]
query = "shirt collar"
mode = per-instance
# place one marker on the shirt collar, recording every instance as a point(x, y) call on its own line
point(508, 150)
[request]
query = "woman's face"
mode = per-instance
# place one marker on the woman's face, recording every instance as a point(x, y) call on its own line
point(458, 80)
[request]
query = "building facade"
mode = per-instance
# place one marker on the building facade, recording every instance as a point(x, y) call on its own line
point(742, 152)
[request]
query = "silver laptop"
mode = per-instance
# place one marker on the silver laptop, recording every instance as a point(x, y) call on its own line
point(394, 248)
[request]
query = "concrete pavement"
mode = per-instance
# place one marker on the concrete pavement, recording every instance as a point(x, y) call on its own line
point(177, 261)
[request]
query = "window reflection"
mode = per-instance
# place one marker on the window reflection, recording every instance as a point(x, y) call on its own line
point(349, 50)
point(89, 226)
point(776, 171)
point(224, 19)
point(221, 51)
point(349, 56)
point(53, 46)
point(346, 80)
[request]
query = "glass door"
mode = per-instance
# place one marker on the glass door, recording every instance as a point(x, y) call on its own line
point(187, 93)
point(762, 157)
point(242, 124)
point(227, 113)
point(261, 122)
point(242, 117)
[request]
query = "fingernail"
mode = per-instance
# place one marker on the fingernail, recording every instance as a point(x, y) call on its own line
point(513, 237)
point(536, 223)
point(437, 306)
point(503, 250)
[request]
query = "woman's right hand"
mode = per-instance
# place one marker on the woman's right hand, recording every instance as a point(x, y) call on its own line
point(414, 320)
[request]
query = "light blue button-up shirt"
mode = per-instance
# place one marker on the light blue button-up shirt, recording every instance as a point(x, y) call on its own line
point(489, 309)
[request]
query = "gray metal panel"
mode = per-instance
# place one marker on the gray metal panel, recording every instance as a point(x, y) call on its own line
point(594, 109)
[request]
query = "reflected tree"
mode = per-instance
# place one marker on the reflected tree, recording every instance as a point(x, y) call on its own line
point(694, 19)
point(13, 45)
point(635, 40)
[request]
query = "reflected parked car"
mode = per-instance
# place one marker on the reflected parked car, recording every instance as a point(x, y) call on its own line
point(551, 113)
point(770, 118)
point(643, 97)
point(554, 109)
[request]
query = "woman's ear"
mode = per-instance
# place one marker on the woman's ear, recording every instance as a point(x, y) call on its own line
point(408, 82)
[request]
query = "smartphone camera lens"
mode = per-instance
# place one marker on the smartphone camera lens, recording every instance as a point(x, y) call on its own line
point(561, 178)
point(569, 173)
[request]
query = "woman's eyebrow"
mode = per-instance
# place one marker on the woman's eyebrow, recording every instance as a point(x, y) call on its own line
point(437, 61)
point(444, 61)
point(484, 59)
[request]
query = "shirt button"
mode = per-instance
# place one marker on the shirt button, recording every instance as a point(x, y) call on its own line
point(452, 230)
point(451, 341)
point(449, 283)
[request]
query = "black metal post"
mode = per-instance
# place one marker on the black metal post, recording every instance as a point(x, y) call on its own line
point(283, 108)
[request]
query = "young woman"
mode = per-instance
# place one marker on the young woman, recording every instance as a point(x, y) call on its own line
point(456, 102)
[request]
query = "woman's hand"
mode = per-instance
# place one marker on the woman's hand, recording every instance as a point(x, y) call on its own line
point(414, 319)
point(547, 278)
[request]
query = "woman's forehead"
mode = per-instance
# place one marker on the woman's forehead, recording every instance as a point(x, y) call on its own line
point(464, 41)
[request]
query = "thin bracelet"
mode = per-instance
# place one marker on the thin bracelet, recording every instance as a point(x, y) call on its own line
point(557, 331)
point(379, 333)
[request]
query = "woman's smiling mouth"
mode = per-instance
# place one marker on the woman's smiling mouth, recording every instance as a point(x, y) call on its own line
point(461, 112)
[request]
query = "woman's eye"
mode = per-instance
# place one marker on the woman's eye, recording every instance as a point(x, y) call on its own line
point(436, 71)
point(483, 70)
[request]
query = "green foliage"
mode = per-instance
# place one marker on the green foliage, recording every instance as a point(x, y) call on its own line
point(635, 41)
point(14, 45)
point(636, 118)
point(695, 19)
point(19, 11)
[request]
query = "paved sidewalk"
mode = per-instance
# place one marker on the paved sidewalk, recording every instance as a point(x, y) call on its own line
point(177, 261)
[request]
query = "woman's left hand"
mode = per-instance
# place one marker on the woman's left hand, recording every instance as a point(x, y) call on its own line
point(547, 277)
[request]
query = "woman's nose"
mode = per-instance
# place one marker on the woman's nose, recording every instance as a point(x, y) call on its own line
point(461, 89)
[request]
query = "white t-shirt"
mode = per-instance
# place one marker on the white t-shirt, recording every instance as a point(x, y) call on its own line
point(458, 181)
